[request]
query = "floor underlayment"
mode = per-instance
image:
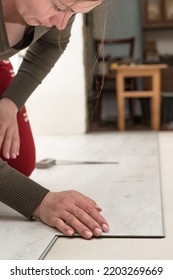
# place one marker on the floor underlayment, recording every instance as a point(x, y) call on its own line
point(129, 191)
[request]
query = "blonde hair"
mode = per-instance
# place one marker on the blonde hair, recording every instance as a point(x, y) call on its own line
point(98, 52)
point(99, 84)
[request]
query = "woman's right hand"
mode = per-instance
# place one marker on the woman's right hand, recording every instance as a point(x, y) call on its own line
point(70, 212)
point(9, 134)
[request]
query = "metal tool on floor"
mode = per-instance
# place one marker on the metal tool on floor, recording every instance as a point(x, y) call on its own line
point(48, 162)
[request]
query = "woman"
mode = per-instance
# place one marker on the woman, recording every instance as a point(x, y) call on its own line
point(44, 26)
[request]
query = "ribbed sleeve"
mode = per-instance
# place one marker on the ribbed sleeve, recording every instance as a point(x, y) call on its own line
point(19, 192)
point(3, 34)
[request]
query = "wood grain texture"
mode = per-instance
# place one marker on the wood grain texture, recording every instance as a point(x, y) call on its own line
point(128, 248)
point(129, 192)
point(21, 239)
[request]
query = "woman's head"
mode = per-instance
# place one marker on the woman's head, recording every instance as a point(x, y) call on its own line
point(53, 12)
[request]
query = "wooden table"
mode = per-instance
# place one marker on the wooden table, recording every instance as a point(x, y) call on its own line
point(135, 71)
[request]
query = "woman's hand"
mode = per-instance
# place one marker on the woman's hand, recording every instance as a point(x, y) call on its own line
point(71, 211)
point(9, 135)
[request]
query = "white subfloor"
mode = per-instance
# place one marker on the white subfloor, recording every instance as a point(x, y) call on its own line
point(136, 168)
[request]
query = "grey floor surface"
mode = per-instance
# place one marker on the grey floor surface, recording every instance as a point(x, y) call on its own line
point(128, 191)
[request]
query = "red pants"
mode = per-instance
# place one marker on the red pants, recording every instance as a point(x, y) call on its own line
point(25, 162)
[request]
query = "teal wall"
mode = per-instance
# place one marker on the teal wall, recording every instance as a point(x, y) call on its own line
point(122, 20)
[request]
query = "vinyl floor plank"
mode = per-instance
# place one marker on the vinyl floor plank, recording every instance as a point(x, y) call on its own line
point(129, 192)
point(128, 248)
point(21, 239)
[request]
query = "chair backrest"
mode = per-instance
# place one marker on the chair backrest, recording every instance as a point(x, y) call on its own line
point(114, 49)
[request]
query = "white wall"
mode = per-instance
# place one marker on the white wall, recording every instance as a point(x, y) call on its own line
point(58, 105)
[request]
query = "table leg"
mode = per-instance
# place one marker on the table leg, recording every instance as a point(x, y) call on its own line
point(120, 101)
point(155, 101)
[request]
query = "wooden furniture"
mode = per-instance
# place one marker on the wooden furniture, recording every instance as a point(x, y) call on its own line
point(156, 27)
point(108, 51)
point(157, 14)
point(153, 71)
point(157, 20)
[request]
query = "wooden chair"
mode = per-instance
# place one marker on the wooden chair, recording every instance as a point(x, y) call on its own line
point(108, 51)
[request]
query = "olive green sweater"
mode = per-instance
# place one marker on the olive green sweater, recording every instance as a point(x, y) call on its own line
point(45, 47)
